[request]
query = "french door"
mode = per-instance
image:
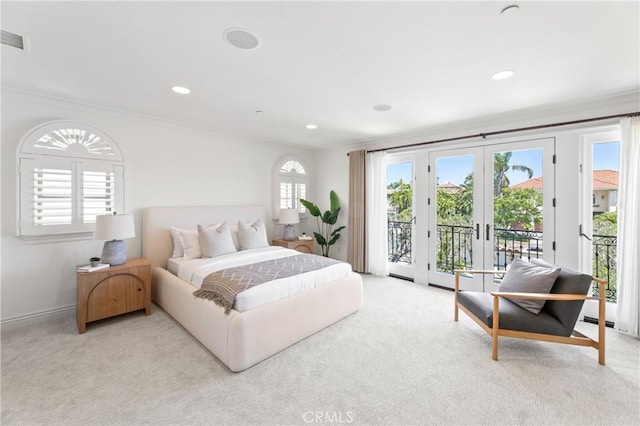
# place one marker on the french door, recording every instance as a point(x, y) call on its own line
point(401, 215)
point(488, 206)
point(598, 227)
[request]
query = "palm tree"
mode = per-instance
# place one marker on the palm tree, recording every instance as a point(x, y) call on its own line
point(402, 198)
point(465, 196)
point(501, 166)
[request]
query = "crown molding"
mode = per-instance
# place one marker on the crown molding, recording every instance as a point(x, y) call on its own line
point(149, 119)
point(618, 103)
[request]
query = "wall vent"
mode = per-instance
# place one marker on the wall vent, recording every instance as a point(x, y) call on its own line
point(11, 39)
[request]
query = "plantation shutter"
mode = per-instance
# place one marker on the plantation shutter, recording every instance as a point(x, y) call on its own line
point(64, 196)
point(68, 173)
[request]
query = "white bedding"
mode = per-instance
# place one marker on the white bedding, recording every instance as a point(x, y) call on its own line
point(195, 270)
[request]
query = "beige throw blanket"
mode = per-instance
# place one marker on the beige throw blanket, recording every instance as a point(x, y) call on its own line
point(222, 286)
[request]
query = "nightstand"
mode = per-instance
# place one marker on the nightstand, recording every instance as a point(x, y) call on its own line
point(303, 246)
point(113, 291)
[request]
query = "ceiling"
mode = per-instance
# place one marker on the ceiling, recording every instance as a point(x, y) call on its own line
point(326, 63)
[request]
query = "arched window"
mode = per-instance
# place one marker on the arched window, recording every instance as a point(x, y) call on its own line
point(291, 184)
point(67, 174)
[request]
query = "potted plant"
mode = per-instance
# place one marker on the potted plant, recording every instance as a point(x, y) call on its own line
point(326, 235)
point(94, 261)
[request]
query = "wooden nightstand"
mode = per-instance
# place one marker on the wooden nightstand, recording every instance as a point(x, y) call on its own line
point(303, 246)
point(113, 291)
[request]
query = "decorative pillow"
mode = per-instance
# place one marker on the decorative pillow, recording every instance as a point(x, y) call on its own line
point(525, 277)
point(178, 250)
point(190, 243)
point(252, 235)
point(216, 240)
point(234, 236)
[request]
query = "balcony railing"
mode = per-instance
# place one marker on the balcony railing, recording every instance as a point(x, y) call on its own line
point(399, 241)
point(605, 263)
point(455, 249)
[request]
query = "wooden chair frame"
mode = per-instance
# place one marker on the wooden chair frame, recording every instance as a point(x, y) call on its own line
point(576, 337)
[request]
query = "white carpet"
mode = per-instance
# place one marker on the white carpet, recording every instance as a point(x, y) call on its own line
point(401, 360)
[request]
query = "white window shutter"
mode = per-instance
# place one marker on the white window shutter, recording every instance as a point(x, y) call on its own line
point(61, 192)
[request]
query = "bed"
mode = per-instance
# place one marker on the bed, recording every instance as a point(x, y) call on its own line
point(238, 339)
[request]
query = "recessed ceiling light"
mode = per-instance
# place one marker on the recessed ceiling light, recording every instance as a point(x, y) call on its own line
point(181, 90)
point(241, 38)
point(382, 107)
point(311, 126)
point(501, 75)
point(510, 9)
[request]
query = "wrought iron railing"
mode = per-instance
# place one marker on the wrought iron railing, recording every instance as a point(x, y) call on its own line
point(455, 249)
point(399, 241)
point(605, 263)
point(509, 244)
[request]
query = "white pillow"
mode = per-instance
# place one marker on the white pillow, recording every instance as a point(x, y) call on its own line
point(178, 250)
point(252, 235)
point(190, 243)
point(234, 236)
point(216, 240)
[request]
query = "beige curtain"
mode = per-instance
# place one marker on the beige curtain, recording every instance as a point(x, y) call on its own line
point(356, 225)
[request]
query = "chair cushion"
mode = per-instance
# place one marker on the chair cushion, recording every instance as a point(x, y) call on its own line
point(512, 316)
point(525, 277)
point(568, 282)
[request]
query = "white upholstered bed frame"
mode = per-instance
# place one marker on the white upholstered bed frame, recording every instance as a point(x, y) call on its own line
point(240, 339)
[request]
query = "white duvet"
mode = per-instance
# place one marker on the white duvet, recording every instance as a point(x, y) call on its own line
point(194, 271)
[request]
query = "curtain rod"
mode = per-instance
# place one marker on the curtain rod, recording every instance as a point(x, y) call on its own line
point(499, 132)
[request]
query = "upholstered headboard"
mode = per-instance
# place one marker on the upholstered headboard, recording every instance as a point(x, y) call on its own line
point(157, 244)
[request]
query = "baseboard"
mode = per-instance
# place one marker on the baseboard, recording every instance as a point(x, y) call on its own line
point(400, 277)
point(441, 287)
point(595, 321)
point(37, 317)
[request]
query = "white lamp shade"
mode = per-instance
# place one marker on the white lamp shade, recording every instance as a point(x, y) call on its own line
point(288, 216)
point(114, 227)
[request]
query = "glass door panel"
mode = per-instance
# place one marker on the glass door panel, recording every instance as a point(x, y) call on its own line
point(400, 218)
point(454, 231)
point(599, 223)
point(519, 212)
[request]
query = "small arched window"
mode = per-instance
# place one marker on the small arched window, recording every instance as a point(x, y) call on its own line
point(291, 184)
point(68, 173)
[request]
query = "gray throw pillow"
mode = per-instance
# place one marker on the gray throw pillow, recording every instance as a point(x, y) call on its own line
point(525, 277)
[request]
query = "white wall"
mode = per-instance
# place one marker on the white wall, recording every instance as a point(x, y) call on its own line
point(165, 165)
point(332, 168)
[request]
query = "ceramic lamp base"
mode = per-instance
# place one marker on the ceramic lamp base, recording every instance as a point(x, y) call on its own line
point(114, 252)
point(289, 233)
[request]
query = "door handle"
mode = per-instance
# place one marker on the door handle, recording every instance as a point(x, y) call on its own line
point(582, 234)
point(488, 229)
point(477, 231)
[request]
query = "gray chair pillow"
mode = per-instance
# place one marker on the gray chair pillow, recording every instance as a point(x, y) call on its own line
point(524, 277)
point(568, 282)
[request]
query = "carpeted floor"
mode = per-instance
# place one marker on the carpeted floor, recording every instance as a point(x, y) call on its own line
point(401, 360)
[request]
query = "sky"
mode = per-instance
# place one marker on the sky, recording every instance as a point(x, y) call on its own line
point(455, 169)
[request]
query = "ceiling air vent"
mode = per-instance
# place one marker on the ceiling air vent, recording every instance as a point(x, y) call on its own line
point(11, 39)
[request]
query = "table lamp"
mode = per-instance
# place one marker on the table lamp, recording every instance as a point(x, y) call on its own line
point(114, 228)
point(288, 217)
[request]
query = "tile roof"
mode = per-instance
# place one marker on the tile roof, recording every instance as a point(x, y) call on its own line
point(602, 180)
point(605, 179)
point(535, 183)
